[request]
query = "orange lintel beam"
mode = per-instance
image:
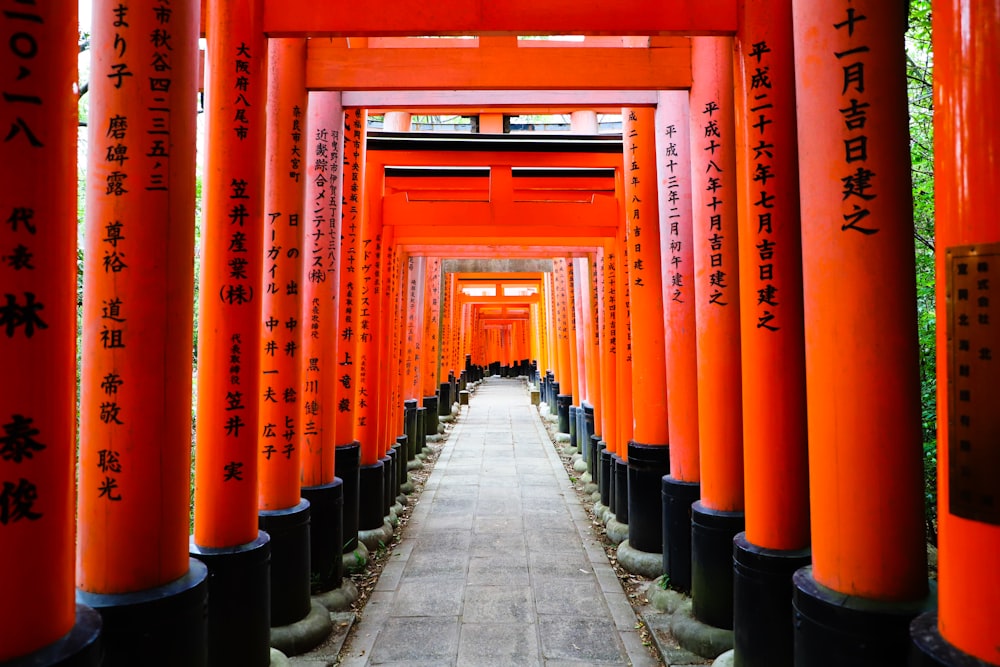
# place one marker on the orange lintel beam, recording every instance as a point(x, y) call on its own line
point(513, 102)
point(500, 300)
point(534, 159)
point(661, 68)
point(524, 17)
point(507, 248)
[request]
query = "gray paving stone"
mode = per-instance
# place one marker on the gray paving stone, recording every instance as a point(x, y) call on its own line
point(513, 645)
point(577, 597)
point(453, 564)
point(498, 604)
point(594, 641)
point(487, 544)
point(558, 565)
point(429, 597)
point(405, 641)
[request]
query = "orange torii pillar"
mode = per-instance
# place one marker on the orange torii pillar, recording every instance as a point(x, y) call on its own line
point(226, 537)
point(135, 388)
point(648, 450)
point(282, 511)
point(41, 624)
point(564, 379)
point(396, 299)
point(432, 310)
point(966, 149)
point(411, 361)
point(590, 401)
point(869, 572)
point(622, 342)
point(579, 378)
point(323, 134)
point(372, 526)
point(681, 487)
point(385, 431)
point(607, 356)
point(348, 452)
point(551, 340)
point(776, 476)
point(718, 516)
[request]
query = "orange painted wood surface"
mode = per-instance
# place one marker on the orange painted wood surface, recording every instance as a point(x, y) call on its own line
point(518, 17)
point(642, 236)
point(607, 350)
point(673, 137)
point(859, 301)
point(280, 425)
point(135, 384)
point(38, 341)
point(321, 244)
point(775, 452)
point(967, 161)
point(229, 296)
point(716, 275)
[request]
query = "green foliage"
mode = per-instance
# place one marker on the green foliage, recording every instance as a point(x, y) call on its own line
point(919, 74)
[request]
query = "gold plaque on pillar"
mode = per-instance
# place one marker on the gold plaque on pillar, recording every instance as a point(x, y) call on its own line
point(973, 327)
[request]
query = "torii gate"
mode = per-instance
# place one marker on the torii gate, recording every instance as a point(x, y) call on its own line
point(38, 432)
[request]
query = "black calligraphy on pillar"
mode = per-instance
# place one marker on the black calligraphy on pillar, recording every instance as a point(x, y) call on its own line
point(858, 180)
point(759, 116)
point(634, 222)
point(19, 443)
point(716, 276)
point(242, 85)
point(974, 340)
point(160, 78)
point(676, 261)
point(611, 296)
point(20, 93)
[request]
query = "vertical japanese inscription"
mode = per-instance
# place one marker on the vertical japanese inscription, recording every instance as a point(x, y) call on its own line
point(858, 180)
point(673, 163)
point(974, 350)
point(717, 278)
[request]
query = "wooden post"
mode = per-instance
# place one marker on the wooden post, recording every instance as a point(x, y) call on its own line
point(681, 488)
point(718, 516)
point(965, 152)
point(869, 557)
point(38, 340)
point(648, 451)
point(135, 385)
point(318, 363)
point(776, 541)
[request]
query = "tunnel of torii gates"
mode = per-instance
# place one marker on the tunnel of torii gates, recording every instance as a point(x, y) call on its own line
point(744, 387)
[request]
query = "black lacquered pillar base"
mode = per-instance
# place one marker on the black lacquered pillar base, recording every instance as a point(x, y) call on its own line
point(444, 399)
point(167, 624)
point(930, 649)
point(604, 479)
point(80, 647)
point(563, 403)
point(833, 629)
point(430, 415)
point(347, 460)
point(410, 427)
point(239, 615)
point(677, 498)
point(326, 538)
point(371, 514)
point(290, 562)
point(574, 429)
point(647, 464)
point(621, 489)
point(762, 603)
point(712, 534)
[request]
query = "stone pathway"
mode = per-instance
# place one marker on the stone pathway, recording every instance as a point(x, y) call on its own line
point(497, 565)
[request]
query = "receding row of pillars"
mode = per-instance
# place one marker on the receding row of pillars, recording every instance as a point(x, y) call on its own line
point(768, 365)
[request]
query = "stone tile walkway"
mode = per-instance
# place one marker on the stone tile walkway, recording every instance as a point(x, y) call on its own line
point(497, 565)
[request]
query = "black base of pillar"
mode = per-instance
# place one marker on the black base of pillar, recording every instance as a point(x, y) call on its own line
point(594, 463)
point(587, 429)
point(410, 427)
point(647, 464)
point(621, 489)
point(166, 625)
point(396, 453)
point(421, 431)
point(290, 567)
point(80, 647)
point(444, 399)
point(930, 649)
point(574, 430)
point(563, 403)
point(371, 513)
point(388, 483)
point(677, 498)
point(604, 483)
point(762, 603)
point(431, 415)
point(326, 535)
point(347, 459)
point(712, 534)
point(239, 616)
point(833, 629)
point(554, 402)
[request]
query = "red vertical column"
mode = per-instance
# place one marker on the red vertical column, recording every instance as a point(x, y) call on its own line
point(225, 496)
point(348, 452)
point(38, 335)
point(682, 487)
point(563, 374)
point(861, 351)
point(966, 154)
point(317, 362)
point(648, 453)
point(718, 516)
point(429, 363)
point(776, 541)
point(135, 384)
